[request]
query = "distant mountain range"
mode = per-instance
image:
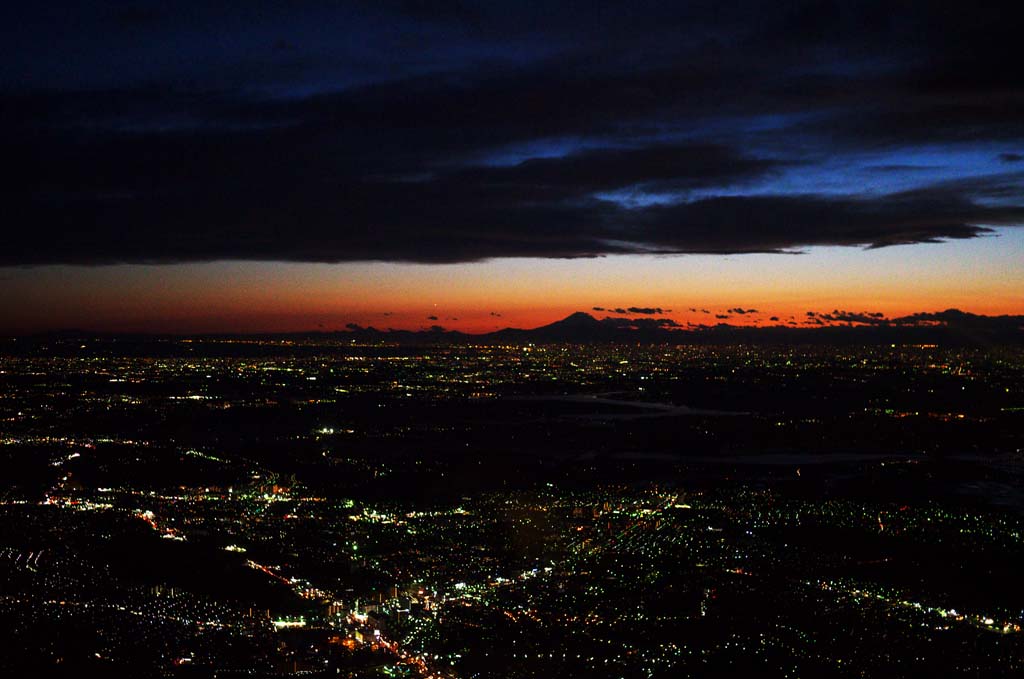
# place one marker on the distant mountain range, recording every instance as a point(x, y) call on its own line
point(946, 327)
point(950, 327)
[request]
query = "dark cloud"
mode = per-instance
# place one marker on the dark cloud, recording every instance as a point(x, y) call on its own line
point(742, 311)
point(431, 318)
point(639, 323)
point(655, 323)
point(901, 168)
point(566, 133)
point(784, 223)
point(950, 317)
point(864, 317)
point(954, 318)
point(133, 17)
point(648, 310)
point(196, 217)
point(663, 167)
point(722, 316)
point(774, 318)
point(598, 308)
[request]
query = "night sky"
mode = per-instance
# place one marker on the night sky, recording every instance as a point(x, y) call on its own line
point(286, 166)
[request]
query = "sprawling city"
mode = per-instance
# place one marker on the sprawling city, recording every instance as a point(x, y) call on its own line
point(507, 339)
point(319, 507)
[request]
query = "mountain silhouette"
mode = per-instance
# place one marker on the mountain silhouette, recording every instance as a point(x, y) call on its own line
point(949, 327)
point(579, 328)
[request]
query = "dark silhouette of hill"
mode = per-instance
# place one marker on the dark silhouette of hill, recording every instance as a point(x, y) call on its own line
point(577, 328)
point(951, 327)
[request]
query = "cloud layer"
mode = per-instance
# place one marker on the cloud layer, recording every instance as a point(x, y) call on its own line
point(388, 132)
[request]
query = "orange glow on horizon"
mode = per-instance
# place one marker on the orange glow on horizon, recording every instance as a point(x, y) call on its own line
point(982, 276)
